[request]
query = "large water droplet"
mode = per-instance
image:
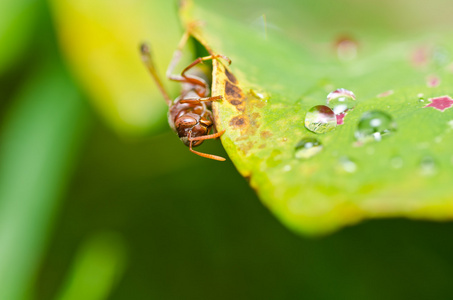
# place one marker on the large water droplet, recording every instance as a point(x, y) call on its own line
point(308, 147)
point(341, 100)
point(320, 119)
point(373, 125)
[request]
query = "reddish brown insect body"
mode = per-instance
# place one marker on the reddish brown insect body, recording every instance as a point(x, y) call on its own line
point(189, 115)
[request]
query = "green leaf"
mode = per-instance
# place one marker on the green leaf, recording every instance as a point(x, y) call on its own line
point(39, 140)
point(287, 59)
point(101, 40)
point(17, 24)
point(98, 266)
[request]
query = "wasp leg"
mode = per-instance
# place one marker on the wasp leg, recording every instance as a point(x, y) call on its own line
point(199, 100)
point(205, 137)
point(191, 79)
point(201, 59)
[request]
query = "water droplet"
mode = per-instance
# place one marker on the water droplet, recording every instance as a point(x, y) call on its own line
point(259, 94)
point(396, 162)
point(428, 166)
point(450, 123)
point(421, 97)
point(341, 100)
point(440, 56)
point(373, 125)
point(348, 165)
point(370, 150)
point(320, 119)
point(287, 168)
point(308, 147)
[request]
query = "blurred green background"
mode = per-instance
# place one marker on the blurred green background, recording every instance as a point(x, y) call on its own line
point(100, 200)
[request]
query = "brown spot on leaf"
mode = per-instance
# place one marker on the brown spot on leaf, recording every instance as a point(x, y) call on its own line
point(239, 122)
point(233, 91)
point(230, 76)
point(234, 95)
point(246, 147)
point(265, 134)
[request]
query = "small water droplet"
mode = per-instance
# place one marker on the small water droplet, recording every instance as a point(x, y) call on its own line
point(396, 162)
point(428, 166)
point(320, 119)
point(421, 97)
point(450, 123)
point(341, 100)
point(348, 165)
point(308, 147)
point(373, 125)
point(287, 168)
point(260, 94)
point(370, 150)
point(440, 56)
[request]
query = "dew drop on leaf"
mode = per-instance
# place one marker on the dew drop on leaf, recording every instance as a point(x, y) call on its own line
point(347, 165)
point(396, 162)
point(421, 97)
point(373, 125)
point(428, 166)
point(440, 56)
point(341, 100)
point(320, 119)
point(308, 147)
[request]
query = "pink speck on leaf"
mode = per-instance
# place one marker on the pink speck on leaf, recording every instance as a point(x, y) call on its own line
point(440, 103)
point(340, 118)
point(432, 81)
point(385, 94)
point(420, 57)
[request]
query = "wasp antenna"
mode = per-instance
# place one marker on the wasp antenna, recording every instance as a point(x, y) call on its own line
point(148, 61)
point(227, 59)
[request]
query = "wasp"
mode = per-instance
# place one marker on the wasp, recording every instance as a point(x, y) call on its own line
point(189, 115)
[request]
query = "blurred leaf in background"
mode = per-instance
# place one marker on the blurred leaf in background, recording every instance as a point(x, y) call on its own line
point(100, 39)
point(96, 269)
point(39, 142)
point(17, 25)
